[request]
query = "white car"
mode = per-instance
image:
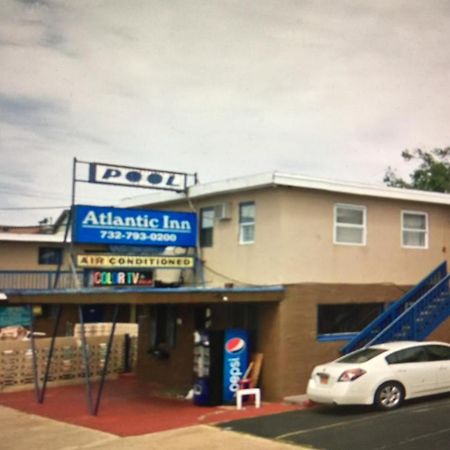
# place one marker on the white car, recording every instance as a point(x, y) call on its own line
point(383, 375)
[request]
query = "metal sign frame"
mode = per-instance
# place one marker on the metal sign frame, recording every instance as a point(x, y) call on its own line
point(154, 177)
point(137, 177)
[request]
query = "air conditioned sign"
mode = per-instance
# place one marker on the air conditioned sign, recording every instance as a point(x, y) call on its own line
point(104, 225)
point(137, 177)
point(144, 261)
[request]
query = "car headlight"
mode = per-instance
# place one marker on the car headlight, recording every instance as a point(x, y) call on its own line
point(351, 374)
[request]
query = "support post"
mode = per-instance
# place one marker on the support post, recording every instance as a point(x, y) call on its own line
point(105, 365)
point(87, 374)
point(50, 354)
point(33, 353)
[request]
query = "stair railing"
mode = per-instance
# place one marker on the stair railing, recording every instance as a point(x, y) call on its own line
point(419, 321)
point(397, 308)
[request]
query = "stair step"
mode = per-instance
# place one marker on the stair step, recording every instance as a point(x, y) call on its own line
point(418, 321)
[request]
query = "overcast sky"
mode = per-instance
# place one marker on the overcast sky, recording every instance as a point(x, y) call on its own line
point(333, 89)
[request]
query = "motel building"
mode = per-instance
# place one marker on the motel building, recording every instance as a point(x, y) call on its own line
point(309, 268)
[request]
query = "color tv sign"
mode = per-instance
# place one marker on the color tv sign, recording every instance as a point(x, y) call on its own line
point(104, 225)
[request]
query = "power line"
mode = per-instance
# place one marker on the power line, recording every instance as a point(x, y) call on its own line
point(210, 269)
point(34, 207)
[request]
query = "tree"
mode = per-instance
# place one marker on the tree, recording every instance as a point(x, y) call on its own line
point(432, 174)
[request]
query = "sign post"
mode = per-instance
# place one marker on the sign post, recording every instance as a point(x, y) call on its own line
point(119, 226)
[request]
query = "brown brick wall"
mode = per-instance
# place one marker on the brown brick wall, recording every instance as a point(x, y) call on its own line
point(300, 351)
point(286, 335)
point(174, 373)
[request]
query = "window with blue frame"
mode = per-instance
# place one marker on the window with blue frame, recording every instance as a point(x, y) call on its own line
point(342, 321)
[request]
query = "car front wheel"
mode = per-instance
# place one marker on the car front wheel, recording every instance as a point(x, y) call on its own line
point(389, 395)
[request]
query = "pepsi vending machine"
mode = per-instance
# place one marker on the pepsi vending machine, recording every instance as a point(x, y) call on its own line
point(235, 362)
point(220, 360)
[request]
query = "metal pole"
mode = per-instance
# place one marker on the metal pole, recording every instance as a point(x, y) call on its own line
point(68, 225)
point(50, 354)
point(69, 222)
point(105, 365)
point(84, 350)
point(72, 201)
point(33, 352)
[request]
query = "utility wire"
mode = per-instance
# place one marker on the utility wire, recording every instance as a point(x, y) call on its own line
point(210, 269)
point(33, 207)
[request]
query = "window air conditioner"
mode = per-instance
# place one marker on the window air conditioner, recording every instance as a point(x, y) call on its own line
point(222, 211)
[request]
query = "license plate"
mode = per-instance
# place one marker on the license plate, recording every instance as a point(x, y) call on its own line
point(323, 378)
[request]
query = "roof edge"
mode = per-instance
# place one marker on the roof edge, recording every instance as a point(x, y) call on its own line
point(259, 181)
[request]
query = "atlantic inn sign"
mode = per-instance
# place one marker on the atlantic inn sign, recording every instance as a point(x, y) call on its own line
point(106, 225)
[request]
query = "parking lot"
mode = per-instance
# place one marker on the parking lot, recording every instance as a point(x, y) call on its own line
point(418, 425)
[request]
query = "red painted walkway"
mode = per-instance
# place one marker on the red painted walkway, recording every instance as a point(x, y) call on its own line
point(130, 407)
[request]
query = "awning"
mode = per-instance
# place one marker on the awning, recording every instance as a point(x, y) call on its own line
point(133, 295)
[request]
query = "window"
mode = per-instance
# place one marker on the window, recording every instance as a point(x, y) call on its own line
point(414, 229)
point(409, 355)
point(247, 223)
point(438, 352)
point(350, 224)
point(344, 318)
point(206, 227)
point(361, 356)
point(49, 255)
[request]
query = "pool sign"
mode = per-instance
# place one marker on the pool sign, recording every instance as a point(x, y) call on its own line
point(105, 225)
point(137, 177)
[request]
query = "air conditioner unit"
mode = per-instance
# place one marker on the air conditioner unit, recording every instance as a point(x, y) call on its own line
point(222, 211)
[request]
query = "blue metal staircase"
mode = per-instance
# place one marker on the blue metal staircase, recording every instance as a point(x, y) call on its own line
point(412, 317)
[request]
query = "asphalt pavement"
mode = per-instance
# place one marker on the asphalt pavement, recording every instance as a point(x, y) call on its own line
point(417, 425)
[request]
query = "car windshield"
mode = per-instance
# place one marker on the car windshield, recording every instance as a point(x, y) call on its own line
point(361, 356)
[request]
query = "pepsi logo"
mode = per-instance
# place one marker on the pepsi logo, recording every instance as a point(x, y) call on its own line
point(235, 345)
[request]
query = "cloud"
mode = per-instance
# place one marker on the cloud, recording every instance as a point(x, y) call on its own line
point(220, 88)
point(29, 112)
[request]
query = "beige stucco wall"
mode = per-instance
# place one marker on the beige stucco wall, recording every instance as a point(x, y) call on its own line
point(294, 241)
point(257, 263)
point(23, 256)
point(311, 255)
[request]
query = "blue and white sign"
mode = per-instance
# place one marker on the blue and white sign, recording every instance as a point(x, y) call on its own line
point(104, 225)
point(235, 361)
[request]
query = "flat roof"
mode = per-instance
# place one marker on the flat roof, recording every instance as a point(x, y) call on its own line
point(134, 295)
point(251, 182)
point(272, 179)
point(32, 237)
